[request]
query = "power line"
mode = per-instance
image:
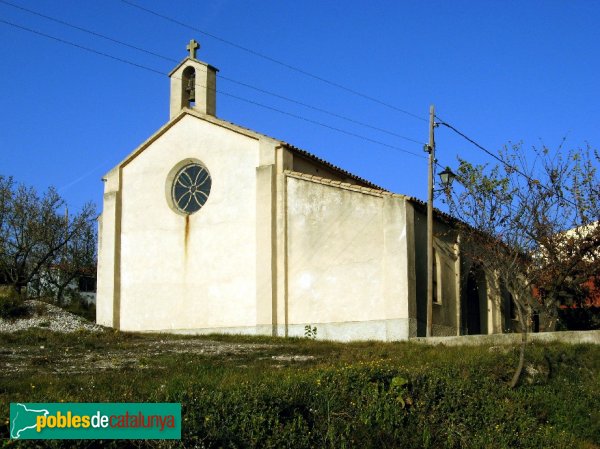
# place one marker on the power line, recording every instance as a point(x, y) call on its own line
point(275, 61)
point(315, 108)
point(447, 125)
point(509, 206)
point(63, 41)
point(70, 25)
point(368, 139)
point(231, 80)
point(499, 159)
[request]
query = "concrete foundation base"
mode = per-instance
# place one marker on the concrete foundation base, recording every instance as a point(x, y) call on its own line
point(381, 330)
point(574, 337)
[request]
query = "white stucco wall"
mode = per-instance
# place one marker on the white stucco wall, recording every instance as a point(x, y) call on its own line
point(107, 244)
point(271, 251)
point(347, 266)
point(182, 273)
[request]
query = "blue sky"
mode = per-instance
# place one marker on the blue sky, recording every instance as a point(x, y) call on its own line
point(500, 71)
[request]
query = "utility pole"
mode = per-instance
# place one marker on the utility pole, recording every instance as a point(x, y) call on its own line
point(431, 150)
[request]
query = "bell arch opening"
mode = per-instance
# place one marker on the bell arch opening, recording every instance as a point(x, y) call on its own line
point(188, 87)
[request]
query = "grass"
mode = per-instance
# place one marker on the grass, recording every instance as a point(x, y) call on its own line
point(268, 392)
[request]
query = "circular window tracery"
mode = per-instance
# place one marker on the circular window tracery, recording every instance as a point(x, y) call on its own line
point(191, 187)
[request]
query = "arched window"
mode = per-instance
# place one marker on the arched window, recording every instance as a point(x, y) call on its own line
point(437, 278)
point(513, 312)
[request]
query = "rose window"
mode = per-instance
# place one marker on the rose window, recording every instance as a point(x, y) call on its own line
point(191, 188)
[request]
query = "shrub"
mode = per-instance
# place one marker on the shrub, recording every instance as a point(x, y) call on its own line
point(12, 305)
point(81, 307)
point(415, 397)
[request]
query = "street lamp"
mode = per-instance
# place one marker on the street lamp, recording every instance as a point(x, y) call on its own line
point(446, 177)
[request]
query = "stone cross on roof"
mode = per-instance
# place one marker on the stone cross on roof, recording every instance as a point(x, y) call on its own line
point(192, 47)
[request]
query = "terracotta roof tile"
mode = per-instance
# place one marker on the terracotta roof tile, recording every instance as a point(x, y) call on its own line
point(342, 185)
point(329, 165)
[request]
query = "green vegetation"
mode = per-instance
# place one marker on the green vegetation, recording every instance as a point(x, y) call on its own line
point(11, 303)
point(79, 306)
point(269, 393)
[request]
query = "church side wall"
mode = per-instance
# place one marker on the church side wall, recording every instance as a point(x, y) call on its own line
point(346, 262)
point(445, 316)
point(186, 273)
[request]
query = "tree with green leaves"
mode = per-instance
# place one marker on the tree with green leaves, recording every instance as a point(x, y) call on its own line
point(533, 220)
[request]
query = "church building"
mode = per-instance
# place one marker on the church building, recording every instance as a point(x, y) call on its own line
point(210, 227)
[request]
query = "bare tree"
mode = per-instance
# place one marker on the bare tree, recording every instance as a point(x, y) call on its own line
point(533, 222)
point(76, 260)
point(34, 234)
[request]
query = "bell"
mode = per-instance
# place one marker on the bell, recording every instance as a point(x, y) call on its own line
point(191, 89)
